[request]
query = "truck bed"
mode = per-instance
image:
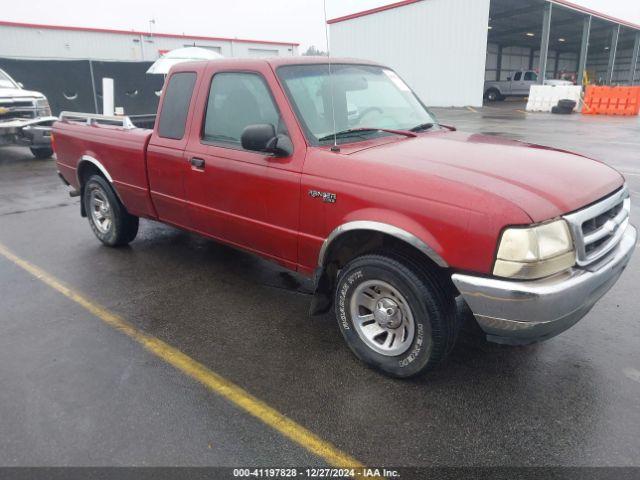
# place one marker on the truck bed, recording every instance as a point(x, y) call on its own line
point(114, 145)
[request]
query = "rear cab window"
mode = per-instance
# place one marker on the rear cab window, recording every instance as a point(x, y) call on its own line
point(175, 106)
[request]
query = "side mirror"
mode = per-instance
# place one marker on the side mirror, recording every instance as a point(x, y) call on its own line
point(263, 138)
point(508, 79)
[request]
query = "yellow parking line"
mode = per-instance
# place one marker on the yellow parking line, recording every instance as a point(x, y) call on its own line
point(214, 382)
point(471, 109)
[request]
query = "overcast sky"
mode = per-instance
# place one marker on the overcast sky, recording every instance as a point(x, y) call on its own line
point(286, 20)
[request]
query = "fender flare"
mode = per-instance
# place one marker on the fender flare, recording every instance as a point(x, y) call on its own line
point(385, 228)
point(95, 162)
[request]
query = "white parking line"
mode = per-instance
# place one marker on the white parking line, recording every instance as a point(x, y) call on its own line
point(632, 374)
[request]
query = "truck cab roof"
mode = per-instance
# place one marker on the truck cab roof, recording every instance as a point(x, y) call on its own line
point(274, 62)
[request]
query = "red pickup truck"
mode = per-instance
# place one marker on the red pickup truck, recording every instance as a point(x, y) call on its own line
point(340, 172)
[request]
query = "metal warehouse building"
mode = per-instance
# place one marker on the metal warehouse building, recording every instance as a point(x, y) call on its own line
point(67, 64)
point(446, 49)
point(32, 41)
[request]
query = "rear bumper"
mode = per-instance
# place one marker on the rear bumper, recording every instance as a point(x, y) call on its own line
point(29, 133)
point(516, 312)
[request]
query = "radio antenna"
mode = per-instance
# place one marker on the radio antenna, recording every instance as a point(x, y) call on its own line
point(335, 147)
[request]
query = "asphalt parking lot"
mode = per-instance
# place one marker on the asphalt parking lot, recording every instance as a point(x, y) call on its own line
point(75, 391)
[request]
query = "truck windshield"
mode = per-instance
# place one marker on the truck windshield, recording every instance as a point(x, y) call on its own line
point(5, 81)
point(366, 99)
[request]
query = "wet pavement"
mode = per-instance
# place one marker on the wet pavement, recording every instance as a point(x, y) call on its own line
point(75, 392)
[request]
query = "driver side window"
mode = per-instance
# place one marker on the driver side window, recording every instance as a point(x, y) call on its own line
point(237, 100)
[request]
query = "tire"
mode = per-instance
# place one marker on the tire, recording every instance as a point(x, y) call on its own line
point(561, 110)
point(41, 152)
point(410, 303)
point(493, 95)
point(567, 104)
point(108, 218)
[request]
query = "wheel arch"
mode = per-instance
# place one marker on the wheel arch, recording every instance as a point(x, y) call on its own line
point(87, 160)
point(380, 228)
point(87, 165)
point(360, 237)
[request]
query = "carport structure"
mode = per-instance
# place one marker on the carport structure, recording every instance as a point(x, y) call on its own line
point(560, 38)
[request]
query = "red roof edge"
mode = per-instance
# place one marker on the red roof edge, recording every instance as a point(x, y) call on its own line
point(373, 10)
point(565, 3)
point(135, 32)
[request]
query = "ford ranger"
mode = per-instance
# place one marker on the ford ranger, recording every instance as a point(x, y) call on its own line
point(25, 118)
point(339, 172)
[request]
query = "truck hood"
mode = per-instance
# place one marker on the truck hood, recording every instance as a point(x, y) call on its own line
point(542, 181)
point(18, 93)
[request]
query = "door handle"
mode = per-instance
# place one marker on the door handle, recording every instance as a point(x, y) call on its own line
point(197, 162)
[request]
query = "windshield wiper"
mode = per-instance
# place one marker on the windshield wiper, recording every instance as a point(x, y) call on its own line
point(352, 131)
point(422, 127)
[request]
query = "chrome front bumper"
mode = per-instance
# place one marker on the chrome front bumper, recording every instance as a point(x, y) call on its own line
point(27, 132)
point(521, 312)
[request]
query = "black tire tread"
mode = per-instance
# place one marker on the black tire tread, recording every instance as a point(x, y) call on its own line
point(444, 327)
point(41, 152)
point(441, 289)
point(126, 225)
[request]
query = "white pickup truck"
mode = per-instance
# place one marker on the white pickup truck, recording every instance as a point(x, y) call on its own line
point(517, 84)
point(25, 117)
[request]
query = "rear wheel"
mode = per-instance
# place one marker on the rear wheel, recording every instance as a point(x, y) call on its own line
point(395, 316)
point(108, 218)
point(41, 152)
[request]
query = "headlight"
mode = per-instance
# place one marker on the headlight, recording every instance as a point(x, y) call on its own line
point(42, 107)
point(535, 252)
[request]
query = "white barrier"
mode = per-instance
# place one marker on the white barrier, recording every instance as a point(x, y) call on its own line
point(543, 97)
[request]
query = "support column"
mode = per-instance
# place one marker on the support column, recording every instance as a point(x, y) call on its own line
point(615, 34)
point(584, 49)
point(634, 60)
point(499, 64)
point(544, 42)
point(93, 87)
point(532, 54)
point(556, 64)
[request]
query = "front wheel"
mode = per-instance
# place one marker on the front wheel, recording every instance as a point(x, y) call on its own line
point(394, 315)
point(41, 152)
point(493, 95)
point(108, 218)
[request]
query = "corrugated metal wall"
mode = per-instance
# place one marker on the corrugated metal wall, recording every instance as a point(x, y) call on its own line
point(47, 43)
point(517, 58)
point(598, 62)
point(438, 46)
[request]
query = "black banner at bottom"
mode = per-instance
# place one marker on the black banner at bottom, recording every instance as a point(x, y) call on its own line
point(281, 473)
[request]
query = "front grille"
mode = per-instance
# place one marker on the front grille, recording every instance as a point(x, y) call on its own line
point(17, 109)
point(18, 114)
point(21, 104)
point(598, 228)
